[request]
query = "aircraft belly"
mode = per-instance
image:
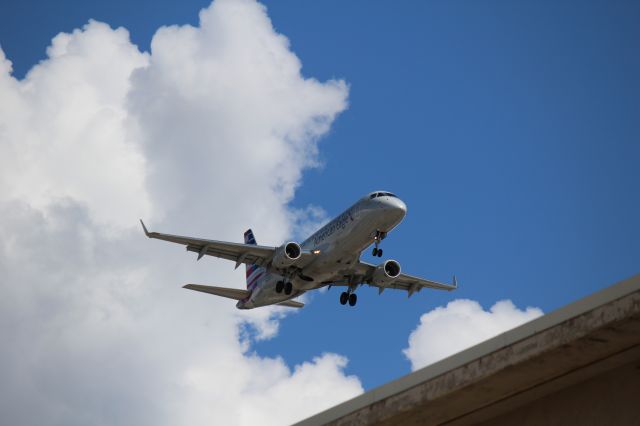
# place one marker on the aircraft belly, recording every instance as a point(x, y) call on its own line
point(265, 294)
point(345, 248)
point(342, 247)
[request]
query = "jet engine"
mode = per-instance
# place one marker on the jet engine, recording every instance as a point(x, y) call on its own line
point(286, 255)
point(385, 273)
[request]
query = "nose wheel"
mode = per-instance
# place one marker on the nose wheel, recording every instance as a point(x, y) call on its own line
point(377, 238)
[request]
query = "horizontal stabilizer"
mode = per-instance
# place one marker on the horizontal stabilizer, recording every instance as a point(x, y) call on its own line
point(291, 304)
point(230, 293)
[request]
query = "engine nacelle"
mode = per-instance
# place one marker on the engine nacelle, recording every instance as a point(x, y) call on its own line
point(286, 255)
point(385, 273)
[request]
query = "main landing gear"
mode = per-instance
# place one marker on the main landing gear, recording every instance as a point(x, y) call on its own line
point(348, 297)
point(378, 237)
point(284, 285)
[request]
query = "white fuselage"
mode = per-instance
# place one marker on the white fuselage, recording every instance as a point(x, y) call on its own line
point(339, 243)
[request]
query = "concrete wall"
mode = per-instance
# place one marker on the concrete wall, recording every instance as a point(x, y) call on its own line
point(612, 398)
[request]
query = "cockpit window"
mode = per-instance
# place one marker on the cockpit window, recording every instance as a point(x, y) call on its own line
point(382, 194)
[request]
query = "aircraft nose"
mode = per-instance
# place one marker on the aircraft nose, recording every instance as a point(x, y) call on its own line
point(397, 205)
point(401, 206)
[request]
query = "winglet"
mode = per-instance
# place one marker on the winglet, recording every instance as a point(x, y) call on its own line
point(455, 281)
point(144, 228)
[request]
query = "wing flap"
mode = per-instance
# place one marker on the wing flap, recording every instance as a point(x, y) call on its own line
point(407, 281)
point(247, 256)
point(229, 293)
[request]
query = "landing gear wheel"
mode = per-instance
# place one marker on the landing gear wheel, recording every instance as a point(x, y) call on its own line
point(288, 288)
point(353, 299)
point(344, 297)
point(279, 286)
point(378, 237)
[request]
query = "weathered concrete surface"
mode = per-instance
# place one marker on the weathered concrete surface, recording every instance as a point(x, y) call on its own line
point(608, 398)
point(570, 355)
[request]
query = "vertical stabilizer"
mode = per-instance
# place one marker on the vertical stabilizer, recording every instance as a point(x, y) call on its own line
point(254, 272)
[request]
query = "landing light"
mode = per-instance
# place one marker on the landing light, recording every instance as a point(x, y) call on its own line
point(316, 252)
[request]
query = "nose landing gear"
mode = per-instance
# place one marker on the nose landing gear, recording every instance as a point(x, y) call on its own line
point(377, 238)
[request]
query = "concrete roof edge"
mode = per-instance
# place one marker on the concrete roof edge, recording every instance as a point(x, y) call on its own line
point(586, 304)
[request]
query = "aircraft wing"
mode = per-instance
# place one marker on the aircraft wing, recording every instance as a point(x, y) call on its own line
point(237, 252)
point(236, 294)
point(291, 304)
point(229, 293)
point(409, 283)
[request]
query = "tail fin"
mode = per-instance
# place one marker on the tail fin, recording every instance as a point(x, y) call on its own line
point(254, 272)
point(249, 238)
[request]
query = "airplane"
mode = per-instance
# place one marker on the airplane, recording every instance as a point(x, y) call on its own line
point(329, 257)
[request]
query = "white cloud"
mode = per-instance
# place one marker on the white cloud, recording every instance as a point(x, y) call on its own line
point(206, 134)
point(243, 109)
point(461, 324)
point(63, 127)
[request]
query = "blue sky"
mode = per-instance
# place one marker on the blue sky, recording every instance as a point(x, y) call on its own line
point(510, 130)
